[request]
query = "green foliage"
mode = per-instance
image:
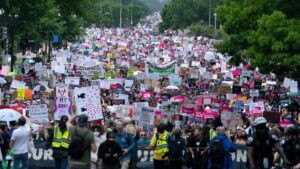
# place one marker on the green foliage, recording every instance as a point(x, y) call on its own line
point(180, 14)
point(265, 32)
point(205, 30)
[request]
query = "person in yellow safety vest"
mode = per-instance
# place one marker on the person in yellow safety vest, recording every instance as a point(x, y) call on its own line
point(160, 146)
point(60, 144)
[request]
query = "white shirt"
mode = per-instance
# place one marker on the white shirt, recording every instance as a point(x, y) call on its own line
point(21, 136)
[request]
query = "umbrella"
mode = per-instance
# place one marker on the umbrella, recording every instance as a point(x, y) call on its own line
point(40, 88)
point(171, 87)
point(2, 80)
point(9, 115)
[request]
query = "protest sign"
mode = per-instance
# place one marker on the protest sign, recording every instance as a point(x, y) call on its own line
point(254, 93)
point(228, 119)
point(18, 84)
point(188, 109)
point(147, 116)
point(294, 86)
point(162, 71)
point(72, 81)
point(117, 102)
point(87, 101)
point(167, 108)
point(62, 91)
point(39, 113)
point(62, 106)
point(21, 93)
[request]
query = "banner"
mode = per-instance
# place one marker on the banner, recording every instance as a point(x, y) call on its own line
point(62, 106)
point(41, 158)
point(162, 71)
point(38, 113)
point(87, 101)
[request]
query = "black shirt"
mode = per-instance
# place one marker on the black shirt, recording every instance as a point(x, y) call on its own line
point(292, 151)
point(109, 148)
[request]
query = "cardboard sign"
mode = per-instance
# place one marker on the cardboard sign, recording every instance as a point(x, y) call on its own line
point(72, 81)
point(258, 84)
point(62, 107)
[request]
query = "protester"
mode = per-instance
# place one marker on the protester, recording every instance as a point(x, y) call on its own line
point(19, 142)
point(220, 149)
point(61, 143)
point(110, 151)
point(260, 146)
point(160, 146)
point(100, 137)
point(81, 145)
point(198, 147)
point(176, 145)
point(144, 141)
point(125, 140)
point(291, 147)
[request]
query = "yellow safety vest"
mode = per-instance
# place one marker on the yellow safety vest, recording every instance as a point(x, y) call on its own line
point(161, 144)
point(61, 140)
point(212, 134)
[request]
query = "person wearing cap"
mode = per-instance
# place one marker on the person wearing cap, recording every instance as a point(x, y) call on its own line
point(291, 147)
point(110, 152)
point(61, 143)
point(260, 146)
point(160, 146)
point(89, 142)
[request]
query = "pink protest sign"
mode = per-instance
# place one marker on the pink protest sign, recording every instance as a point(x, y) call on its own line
point(236, 73)
point(188, 109)
point(146, 95)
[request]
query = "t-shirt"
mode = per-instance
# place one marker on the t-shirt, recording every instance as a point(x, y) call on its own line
point(21, 136)
point(89, 139)
point(292, 151)
point(198, 144)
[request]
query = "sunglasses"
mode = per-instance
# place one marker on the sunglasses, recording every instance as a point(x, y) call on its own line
point(143, 134)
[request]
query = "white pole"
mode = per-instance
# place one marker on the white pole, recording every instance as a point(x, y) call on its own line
point(120, 14)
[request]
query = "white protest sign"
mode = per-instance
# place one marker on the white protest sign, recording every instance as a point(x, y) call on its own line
point(246, 73)
point(39, 113)
point(87, 101)
point(17, 84)
point(62, 91)
point(260, 104)
point(128, 85)
point(254, 93)
point(147, 116)
point(72, 81)
point(293, 86)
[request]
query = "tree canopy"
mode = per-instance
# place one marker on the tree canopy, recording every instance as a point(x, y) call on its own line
point(266, 33)
point(179, 14)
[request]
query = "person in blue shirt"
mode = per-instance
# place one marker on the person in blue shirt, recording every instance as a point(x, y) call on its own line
point(144, 141)
point(227, 146)
point(125, 140)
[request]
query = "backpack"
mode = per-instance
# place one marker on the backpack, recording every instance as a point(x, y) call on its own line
point(76, 147)
point(217, 153)
point(176, 148)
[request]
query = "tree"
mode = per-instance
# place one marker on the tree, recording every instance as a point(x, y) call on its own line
point(266, 33)
point(179, 14)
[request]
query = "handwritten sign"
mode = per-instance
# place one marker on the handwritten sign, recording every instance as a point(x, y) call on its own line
point(62, 106)
point(17, 84)
point(147, 116)
point(39, 113)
